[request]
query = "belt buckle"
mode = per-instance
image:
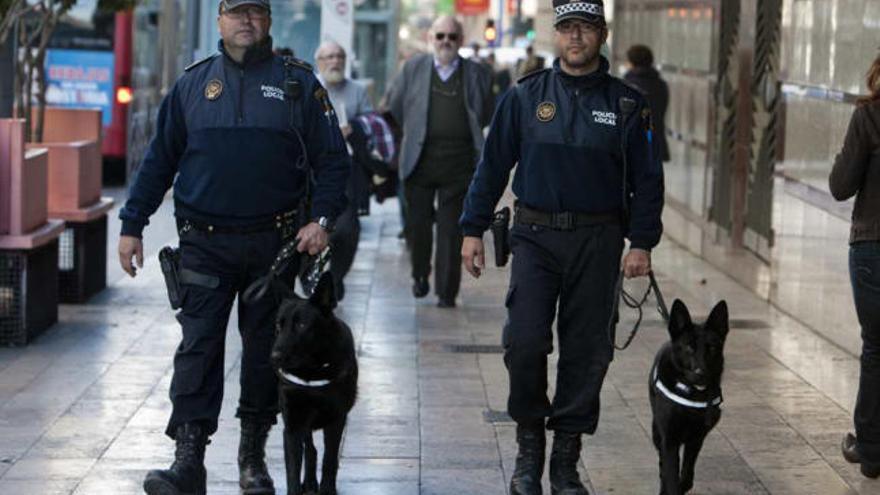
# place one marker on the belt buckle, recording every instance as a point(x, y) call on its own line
point(563, 221)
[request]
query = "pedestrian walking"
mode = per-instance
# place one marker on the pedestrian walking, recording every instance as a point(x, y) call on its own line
point(238, 135)
point(442, 102)
point(350, 100)
point(856, 172)
point(586, 178)
point(646, 78)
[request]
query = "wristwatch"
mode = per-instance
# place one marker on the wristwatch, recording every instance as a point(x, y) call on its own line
point(324, 223)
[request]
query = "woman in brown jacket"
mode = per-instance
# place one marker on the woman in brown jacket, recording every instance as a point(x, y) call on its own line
point(856, 173)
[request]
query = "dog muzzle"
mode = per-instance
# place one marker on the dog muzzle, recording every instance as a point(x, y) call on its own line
point(292, 379)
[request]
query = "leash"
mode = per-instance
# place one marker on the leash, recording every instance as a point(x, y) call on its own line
point(258, 289)
point(630, 301)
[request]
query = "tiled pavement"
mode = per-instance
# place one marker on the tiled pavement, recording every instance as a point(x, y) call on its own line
point(82, 410)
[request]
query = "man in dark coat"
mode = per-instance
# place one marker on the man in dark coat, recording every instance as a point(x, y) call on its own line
point(645, 77)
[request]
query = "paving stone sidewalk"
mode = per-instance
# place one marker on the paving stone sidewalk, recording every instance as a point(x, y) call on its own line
point(83, 409)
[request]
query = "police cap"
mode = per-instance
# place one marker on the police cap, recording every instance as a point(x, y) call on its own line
point(232, 4)
point(592, 11)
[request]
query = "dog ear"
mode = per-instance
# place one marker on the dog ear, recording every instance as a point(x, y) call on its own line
point(718, 320)
point(679, 320)
point(324, 296)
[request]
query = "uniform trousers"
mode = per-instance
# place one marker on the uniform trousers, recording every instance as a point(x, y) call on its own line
point(236, 261)
point(569, 275)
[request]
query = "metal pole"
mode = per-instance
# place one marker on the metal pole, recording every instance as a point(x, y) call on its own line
point(499, 27)
point(7, 67)
point(517, 24)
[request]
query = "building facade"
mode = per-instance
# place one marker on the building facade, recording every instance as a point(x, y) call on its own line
point(761, 95)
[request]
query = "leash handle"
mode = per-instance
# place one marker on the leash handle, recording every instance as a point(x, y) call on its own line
point(258, 289)
point(661, 303)
point(631, 302)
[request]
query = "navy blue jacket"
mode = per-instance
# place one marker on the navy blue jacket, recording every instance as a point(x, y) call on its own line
point(566, 134)
point(224, 131)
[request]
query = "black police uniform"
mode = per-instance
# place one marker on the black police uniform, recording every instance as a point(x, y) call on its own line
point(568, 135)
point(234, 138)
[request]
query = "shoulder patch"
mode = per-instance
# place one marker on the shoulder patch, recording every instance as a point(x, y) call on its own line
point(200, 62)
point(323, 98)
point(295, 62)
point(531, 75)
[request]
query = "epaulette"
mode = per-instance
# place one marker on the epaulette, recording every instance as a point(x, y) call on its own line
point(531, 75)
point(200, 62)
point(302, 64)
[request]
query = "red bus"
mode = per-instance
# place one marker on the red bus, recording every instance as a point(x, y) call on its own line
point(88, 65)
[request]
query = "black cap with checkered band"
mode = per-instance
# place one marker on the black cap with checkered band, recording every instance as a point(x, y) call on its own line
point(592, 11)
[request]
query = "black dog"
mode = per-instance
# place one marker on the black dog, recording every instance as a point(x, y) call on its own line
point(315, 360)
point(685, 392)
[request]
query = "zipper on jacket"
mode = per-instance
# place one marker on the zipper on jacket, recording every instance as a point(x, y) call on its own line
point(569, 129)
point(241, 96)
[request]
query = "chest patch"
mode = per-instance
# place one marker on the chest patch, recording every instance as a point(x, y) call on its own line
point(272, 92)
point(214, 89)
point(546, 111)
point(605, 118)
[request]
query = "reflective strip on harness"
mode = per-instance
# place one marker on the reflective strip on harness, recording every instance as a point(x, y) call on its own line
point(681, 400)
point(295, 380)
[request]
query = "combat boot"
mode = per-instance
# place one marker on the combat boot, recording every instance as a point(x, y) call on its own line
point(187, 475)
point(253, 476)
point(564, 478)
point(529, 467)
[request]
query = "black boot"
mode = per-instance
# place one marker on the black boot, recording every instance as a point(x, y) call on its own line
point(564, 478)
point(529, 468)
point(187, 475)
point(253, 476)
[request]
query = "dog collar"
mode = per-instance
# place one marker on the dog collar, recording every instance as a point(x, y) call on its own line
point(682, 400)
point(295, 380)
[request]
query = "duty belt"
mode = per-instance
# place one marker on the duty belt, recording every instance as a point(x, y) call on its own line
point(564, 220)
point(278, 222)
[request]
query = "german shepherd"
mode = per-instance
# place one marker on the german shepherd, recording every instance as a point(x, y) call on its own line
point(685, 393)
point(314, 358)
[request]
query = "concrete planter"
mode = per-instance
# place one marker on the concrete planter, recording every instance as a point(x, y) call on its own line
point(74, 175)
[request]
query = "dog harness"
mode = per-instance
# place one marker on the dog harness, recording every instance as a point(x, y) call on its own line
point(682, 400)
point(295, 380)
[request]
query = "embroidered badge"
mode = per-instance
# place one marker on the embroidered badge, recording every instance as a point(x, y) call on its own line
point(213, 89)
point(272, 92)
point(546, 111)
point(605, 118)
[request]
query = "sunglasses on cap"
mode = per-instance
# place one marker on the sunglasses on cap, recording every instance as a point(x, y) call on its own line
point(448, 36)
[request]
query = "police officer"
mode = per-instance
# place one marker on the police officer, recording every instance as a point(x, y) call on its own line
point(578, 135)
point(241, 131)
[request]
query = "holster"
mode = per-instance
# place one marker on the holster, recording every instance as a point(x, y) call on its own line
point(501, 234)
point(169, 260)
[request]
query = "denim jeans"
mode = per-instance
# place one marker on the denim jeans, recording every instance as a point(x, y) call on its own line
point(864, 268)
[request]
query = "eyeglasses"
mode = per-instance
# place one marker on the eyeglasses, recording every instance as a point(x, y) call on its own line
point(449, 36)
point(242, 13)
point(569, 27)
